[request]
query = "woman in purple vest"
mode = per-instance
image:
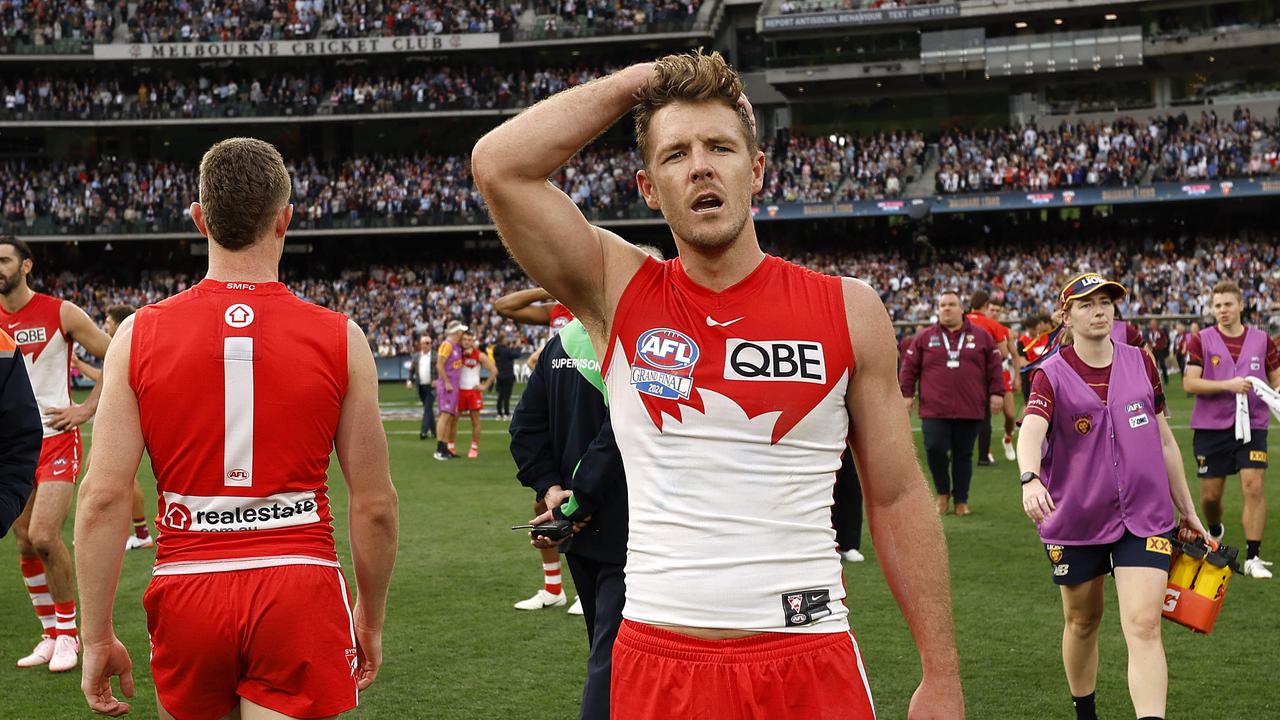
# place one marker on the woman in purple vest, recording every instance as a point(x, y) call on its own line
point(1101, 475)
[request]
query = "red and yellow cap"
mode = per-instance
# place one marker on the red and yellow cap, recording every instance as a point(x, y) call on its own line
point(1088, 284)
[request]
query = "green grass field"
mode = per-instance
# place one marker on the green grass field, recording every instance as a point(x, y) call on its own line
point(455, 648)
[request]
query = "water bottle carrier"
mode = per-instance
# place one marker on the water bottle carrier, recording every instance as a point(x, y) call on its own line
point(1190, 606)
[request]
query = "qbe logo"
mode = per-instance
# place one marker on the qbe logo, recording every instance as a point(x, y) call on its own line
point(775, 361)
point(30, 336)
point(663, 364)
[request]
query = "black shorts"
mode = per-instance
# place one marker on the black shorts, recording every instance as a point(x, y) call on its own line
point(1075, 564)
point(1219, 454)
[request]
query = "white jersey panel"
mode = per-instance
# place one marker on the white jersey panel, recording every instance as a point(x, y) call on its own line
point(706, 547)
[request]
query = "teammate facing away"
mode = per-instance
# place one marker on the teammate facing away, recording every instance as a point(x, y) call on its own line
point(44, 329)
point(730, 416)
point(1101, 476)
point(141, 537)
point(248, 613)
point(1219, 361)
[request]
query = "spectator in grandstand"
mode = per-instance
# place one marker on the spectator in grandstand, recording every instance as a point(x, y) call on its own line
point(1101, 475)
point(422, 375)
point(955, 367)
point(565, 451)
point(1230, 420)
point(20, 433)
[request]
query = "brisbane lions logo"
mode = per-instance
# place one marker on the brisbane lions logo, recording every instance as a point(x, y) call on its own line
point(1083, 424)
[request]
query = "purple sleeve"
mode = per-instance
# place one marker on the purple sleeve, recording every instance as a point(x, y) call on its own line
point(995, 372)
point(910, 371)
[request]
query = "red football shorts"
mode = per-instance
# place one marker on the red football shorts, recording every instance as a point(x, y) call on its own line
point(472, 399)
point(281, 637)
point(1008, 381)
point(59, 458)
point(658, 674)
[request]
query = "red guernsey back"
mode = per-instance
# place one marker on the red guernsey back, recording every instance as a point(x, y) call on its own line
point(240, 386)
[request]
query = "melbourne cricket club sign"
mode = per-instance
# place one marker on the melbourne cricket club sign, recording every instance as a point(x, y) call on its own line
point(296, 48)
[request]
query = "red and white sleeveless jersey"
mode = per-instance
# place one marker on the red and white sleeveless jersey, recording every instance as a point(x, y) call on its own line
point(37, 328)
point(240, 386)
point(560, 316)
point(729, 410)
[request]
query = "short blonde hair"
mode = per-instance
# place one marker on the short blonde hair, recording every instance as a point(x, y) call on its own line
point(1226, 287)
point(690, 77)
point(243, 184)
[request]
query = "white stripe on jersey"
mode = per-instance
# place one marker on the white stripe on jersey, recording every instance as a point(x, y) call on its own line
point(724, 523)
point(50, 378)
point(237, 393)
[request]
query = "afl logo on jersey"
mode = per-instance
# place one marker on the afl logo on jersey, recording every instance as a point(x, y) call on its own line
point(239, 315)
point(663, 364)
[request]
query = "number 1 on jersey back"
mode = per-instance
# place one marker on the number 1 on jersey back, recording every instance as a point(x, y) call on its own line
point(237, 369)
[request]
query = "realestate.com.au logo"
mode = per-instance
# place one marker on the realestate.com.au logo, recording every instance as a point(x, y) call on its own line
point(194, 513)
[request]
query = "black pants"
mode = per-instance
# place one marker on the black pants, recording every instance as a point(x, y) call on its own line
point(427, 394)
point(984, 434)
point(602, 589)
point(846, 510)
point(948, 447)
point(1162, 362)
point(504, 395)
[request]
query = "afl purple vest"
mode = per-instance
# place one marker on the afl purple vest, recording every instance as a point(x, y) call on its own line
point(1103, 464)
point(1218, 411)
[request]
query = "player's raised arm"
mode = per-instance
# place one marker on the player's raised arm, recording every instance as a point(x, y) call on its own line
point(361, 444)
point(102, 514)
point(544, 230)
point(904, 525)
point(530, 307)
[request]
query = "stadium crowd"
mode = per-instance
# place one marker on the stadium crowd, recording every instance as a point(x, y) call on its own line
point(155, 21)
point(127, 196)
point(790, 7)
point(1165, 275)
point(396, 304)
point(424, 90)
point(1123, 152)
point(43, 23)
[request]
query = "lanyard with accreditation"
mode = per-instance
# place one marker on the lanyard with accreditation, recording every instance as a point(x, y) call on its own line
point(953, 356)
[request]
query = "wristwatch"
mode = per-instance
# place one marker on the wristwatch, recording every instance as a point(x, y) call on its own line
point(1028, 476)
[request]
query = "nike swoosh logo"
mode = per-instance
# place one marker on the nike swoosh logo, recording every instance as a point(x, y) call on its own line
point(58, 472)
point(14, 325)
point(713, 323)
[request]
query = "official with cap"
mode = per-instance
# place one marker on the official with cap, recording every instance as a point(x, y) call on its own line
point(955, 366)
point(1101, 476)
